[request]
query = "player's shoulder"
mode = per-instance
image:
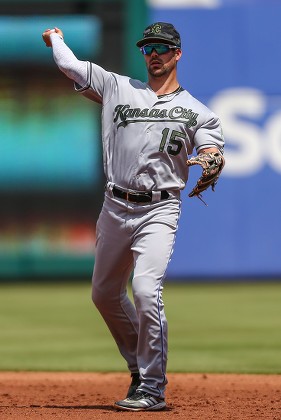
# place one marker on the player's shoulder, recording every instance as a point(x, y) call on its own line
point(123, 79)
point(196, 105)
point(194, 101)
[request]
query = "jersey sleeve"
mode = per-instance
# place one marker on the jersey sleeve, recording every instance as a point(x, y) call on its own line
point(100, 84)
point(209, 134)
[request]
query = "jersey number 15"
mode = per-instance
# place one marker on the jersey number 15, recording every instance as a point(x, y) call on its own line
point(174, 144)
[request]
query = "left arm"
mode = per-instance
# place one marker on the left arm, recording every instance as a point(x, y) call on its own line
point(209, 136)
point(209, 143)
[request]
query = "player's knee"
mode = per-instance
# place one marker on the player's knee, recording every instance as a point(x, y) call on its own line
point(144, 293)
point(99, 297)
point(105, 300)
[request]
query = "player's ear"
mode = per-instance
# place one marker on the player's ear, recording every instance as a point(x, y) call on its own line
point(178, 54)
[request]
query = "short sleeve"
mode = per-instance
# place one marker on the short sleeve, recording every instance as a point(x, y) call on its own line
point(209, 134)
point(100, 84)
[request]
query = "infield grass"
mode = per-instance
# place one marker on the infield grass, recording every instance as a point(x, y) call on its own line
point(212, 328)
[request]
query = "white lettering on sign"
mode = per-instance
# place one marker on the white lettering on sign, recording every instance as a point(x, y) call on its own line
point(248, 145)
point(273, 133)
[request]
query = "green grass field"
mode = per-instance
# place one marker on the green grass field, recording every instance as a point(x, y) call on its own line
point(212, 328)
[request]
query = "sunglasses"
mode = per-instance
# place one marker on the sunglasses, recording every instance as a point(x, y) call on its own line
point(159, 48)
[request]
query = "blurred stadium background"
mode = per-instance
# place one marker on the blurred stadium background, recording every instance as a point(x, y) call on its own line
point(51, 178)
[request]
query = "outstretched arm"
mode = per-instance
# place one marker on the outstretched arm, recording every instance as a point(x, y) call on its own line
point(64, 57)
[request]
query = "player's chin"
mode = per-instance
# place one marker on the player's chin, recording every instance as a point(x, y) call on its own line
point(156, 71)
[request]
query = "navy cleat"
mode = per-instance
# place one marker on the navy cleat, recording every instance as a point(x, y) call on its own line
point(134, 384)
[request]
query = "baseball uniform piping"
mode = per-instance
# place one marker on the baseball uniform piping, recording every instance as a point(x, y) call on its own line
point(158, 299)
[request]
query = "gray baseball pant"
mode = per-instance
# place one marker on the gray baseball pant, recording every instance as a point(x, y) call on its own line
point(138, 238)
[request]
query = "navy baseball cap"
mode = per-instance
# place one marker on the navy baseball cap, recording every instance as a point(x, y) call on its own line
point(162, 32)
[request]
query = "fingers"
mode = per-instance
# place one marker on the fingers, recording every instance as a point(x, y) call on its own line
point(46, 35)
point(48, 31)
point(59, 32)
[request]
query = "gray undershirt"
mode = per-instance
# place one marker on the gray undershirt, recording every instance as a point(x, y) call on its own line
point(67, 61)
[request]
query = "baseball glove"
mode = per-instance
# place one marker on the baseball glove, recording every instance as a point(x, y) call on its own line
point(212, 165)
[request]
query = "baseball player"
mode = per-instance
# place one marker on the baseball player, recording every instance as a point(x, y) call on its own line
point(148, 131)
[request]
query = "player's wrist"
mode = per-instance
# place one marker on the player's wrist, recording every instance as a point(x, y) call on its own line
point(55, 35)
point(209, 150)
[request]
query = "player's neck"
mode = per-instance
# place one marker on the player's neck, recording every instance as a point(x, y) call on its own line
point(163, 85)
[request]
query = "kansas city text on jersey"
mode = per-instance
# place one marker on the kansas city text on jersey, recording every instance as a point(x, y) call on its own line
point(127, 115)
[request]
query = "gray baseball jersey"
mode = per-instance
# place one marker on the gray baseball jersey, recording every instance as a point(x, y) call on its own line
point(149, 136)
point(146, 140)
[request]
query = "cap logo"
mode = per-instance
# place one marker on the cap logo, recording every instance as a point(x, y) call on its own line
point(160, 31)
point(156, 29)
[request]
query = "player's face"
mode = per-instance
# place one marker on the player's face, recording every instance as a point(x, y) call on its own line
point(160, 62)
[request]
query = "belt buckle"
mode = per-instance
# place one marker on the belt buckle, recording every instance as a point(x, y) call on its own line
point(131, 197)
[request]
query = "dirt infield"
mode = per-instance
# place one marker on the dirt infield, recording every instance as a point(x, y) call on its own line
point(68, 396)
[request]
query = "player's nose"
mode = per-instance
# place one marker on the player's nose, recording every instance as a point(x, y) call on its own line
point(154, 53)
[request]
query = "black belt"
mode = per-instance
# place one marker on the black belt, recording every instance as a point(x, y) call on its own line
point(137, 197)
